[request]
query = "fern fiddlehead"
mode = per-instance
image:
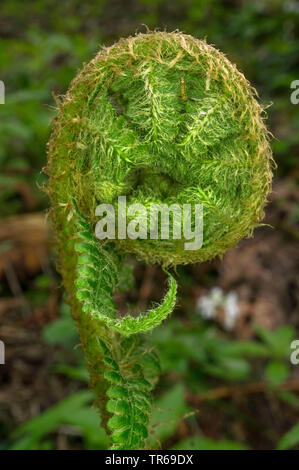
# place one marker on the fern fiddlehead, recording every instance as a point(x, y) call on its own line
point(97, 279)
point(160, 118)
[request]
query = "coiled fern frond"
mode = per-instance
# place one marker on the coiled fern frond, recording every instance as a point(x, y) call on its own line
point(97, 279)
point(160, 118)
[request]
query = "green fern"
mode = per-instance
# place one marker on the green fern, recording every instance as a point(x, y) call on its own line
point(159, 118)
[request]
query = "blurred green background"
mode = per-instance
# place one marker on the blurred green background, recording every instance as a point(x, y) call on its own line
point(222, 387)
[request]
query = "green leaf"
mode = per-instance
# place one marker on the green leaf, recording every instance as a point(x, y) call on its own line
point(74, 410)
point(56, 415)
point(167, 413)
point(245, 348)
point(290, 439)
point(276, 372)
point(228, 368)
point(59, 331)
point(278, 341)
point(86, 419)
point(77, 372)
point(289, 398)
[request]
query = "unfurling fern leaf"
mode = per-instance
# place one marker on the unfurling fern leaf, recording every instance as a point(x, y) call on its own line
point(158, 118)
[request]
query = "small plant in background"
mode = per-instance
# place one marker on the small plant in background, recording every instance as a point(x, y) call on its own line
point(160, 118)
point(199, 354)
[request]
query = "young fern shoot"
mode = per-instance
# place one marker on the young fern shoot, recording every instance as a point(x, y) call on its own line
point(161, 118)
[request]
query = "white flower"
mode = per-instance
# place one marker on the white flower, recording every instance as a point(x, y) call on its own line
point(231, 310)
point(207, 305)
